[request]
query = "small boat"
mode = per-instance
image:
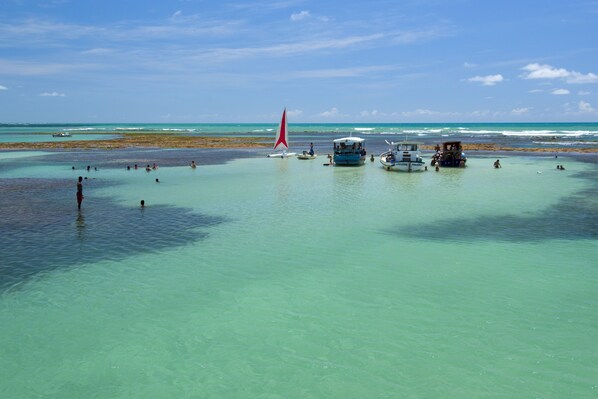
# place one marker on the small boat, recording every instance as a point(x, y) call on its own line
point(61, 134)
point(306, 155)
point(349, 151)
point(404, 156)
point(451, 155)
point(282, 140)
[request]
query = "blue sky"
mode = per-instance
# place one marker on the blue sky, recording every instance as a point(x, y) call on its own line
point(326, 61)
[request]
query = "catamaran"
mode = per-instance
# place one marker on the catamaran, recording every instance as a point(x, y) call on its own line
point(282, 139)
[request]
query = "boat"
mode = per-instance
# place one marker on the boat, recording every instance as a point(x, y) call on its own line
point(451, 155)
point(282, 139)
point(349, 151)
point(404, 156)
point(61, 134)
point(306, 155)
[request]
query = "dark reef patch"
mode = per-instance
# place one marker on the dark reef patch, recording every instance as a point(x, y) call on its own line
point(42, 230)
point(573, 218)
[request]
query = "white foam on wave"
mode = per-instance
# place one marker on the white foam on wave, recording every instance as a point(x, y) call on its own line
point(83, 129)
point(566, 143)
point(363, 129)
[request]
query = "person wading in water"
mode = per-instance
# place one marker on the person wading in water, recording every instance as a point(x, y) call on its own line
point(79, 192)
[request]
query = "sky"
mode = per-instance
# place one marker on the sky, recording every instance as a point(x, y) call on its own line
point(395, 61)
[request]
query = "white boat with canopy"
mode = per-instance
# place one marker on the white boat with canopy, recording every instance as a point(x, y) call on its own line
point(349, 151)
point(404, 156)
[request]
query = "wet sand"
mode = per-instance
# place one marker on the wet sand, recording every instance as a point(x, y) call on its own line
point(141, 140)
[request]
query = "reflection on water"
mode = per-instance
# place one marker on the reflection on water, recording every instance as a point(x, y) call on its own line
point(80, 223)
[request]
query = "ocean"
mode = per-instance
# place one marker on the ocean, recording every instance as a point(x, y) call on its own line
point(252, 277)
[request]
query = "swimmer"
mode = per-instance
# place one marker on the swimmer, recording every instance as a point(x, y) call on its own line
point(497, 164)
point(193, 164)
point(157, 181)
point(142, 203)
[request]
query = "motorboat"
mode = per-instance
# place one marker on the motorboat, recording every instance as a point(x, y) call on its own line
point(450, 155)
point(349, 151)
point(404, 156)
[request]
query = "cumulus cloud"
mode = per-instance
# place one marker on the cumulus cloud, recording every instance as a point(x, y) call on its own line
point(3, 87)
point(489, 80)
point(560, 92)
point(538, 71)
point(585, 107)
point(520, 111)
point(52, 94)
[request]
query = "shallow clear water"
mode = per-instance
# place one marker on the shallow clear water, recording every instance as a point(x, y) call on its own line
point(286, 278)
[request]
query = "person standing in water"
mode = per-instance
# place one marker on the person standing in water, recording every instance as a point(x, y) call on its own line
point(79, 192)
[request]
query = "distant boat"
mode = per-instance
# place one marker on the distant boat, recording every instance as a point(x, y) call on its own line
point(451, 155)
point(282, 139)
point(306, 155)
point(61, 134)
point(349, 151)
point(404, 156)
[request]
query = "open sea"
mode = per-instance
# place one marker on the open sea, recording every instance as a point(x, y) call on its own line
point(250, 277)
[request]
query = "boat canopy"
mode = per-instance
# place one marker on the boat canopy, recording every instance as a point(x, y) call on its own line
point(349, 140)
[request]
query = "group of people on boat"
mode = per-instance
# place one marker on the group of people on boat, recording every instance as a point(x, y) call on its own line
point(451, 154)
point(341, 147)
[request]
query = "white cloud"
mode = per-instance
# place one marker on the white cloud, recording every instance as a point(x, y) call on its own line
point(489, 80)
point(300, 15)
point(98, 51)
point(343, 72)
point(374, 112)
point(585, 107)
point(520, 111)
point(178, 13)
point(422, 35)
point(537, 71)
point(583, 93)
point(52, 94)
point(330, 113)
point(294, 113)
point(560, 92)
point(469, 65)
point(3, 87)
point(535, 91)
point(304, 15)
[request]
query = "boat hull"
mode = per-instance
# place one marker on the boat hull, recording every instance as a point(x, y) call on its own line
point(282, 155)
point(306, 156)
point(404, 166)
point(348, 159)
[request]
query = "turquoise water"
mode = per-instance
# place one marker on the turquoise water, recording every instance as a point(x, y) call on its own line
point(282, 278)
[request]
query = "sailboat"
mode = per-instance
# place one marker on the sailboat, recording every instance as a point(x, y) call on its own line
point(282, 139)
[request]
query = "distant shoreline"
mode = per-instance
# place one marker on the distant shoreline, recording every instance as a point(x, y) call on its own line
point(174, 141)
